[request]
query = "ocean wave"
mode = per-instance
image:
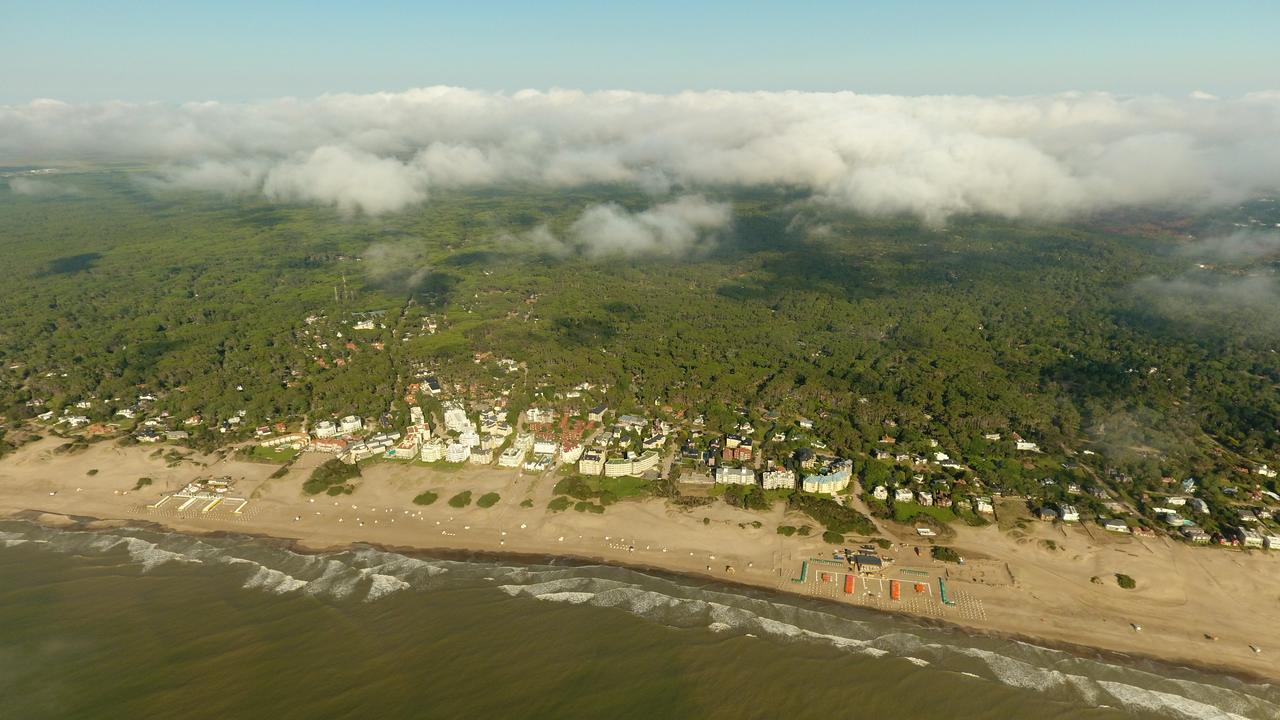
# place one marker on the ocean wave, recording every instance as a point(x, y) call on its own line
point(1056, 673)
point(371, 575)
point(382, 585)
point(273, 581)
point(1179, 706)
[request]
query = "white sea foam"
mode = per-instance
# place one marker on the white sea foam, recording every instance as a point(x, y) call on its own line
point(383, 585)
point(273, 581)
point(573, 598)
point(1178, 706)
point(916, 661)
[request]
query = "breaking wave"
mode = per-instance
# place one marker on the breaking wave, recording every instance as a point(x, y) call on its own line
point(370, 575)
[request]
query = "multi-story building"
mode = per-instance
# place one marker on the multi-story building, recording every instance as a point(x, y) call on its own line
point(631, 465)
point(592, 462)
point(511, 457)
point(778, 480)
point(432, 451)
point(735, 476)
point(457, 452)
point(833, 480)
point(455, 419)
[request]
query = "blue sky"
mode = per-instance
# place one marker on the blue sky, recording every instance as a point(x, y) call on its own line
point(232, 50)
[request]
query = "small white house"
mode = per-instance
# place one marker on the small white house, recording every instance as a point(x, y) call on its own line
point(903, 495)
point(880, 493)
point(1070, 513)
point(350, 424)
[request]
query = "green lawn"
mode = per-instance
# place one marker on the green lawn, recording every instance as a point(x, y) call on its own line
point(906, 511)
point(625, 486)
point(272, 455)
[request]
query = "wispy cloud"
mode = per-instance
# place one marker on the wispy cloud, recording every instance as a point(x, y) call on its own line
point(1044, 157)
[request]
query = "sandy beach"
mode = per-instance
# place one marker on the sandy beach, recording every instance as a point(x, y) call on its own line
point(1045, 583)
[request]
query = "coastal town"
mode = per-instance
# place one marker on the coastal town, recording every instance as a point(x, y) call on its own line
point(754, 458)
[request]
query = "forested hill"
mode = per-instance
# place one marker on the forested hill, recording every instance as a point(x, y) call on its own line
point(1120, 336)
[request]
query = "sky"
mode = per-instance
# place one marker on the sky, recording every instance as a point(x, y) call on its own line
point(235, 50)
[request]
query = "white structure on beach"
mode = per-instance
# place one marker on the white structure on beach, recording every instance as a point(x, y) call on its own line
point(631, 465)
point(511, 457)
point(350, 424)
point(778, 480)
point(457, 452)
point(833, 480)
point(432, 451)
point(592, 462)
point(735, 476)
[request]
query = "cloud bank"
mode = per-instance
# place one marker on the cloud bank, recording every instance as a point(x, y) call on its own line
point(1039, 157)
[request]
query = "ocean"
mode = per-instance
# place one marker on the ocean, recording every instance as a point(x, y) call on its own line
point(137, 623)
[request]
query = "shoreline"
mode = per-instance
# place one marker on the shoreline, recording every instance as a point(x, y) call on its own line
point(480, 555)
point(1027, 589)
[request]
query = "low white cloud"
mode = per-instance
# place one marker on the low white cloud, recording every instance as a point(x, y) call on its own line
point(399, 266)
point(1239, 246)
point(349, 179)
point(1207, 301)
point(1041, 157)
point(33, 187)
point(687, 224)
point(229, 178)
